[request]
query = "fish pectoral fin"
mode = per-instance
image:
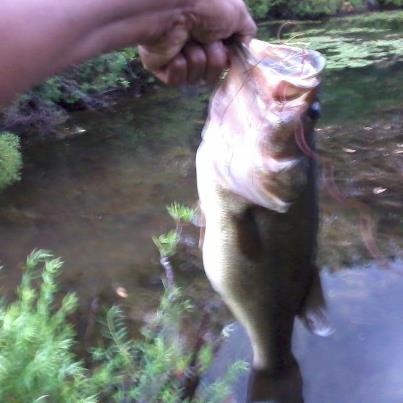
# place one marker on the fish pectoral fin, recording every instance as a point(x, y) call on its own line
point(198, 219)
point(201, 237)
point(314, 312)
point(317, 322)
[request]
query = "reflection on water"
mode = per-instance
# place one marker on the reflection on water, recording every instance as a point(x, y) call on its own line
point(96, 200)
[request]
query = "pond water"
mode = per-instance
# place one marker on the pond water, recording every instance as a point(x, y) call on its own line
point(362, 361)
point(97, 199)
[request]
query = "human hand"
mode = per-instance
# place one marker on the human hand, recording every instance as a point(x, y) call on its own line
point(190, 48)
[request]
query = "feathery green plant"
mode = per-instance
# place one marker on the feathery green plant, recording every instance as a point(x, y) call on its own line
point(96, 76)
point(38, 364)
point(36, 340)
point(167, 243)
point(180, 212)
point(10, 159)
point(144, 370)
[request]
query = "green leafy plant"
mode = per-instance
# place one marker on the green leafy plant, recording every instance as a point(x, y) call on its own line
point(36, 340)
point(167, 243)
point(180, 213)
point(97, 76)
point(88, 85)
point(10, 159)
point(148, 369)
point(391, 3)
point(38, 363)
point(306, 9)
point(315, 8)
point(261, 8)
point(218, 391)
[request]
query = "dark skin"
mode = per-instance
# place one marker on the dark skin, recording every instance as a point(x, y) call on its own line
point(180, 41)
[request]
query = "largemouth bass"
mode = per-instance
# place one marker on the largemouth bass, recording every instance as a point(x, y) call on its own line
point(257, 193)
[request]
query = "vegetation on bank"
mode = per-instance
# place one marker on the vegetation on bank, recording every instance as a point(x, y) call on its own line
point(303, 9)
point(10, 159)
point(350, 42)
point(97, 76)
point(94, 84)
point(38, 362)
point(87, 86)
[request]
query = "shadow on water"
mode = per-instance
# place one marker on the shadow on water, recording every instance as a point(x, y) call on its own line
point(97, 199)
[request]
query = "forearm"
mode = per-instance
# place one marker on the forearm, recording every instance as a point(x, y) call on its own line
point(39, 38)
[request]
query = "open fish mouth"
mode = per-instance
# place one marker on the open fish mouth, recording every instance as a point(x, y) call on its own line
point(255, 117)
point(296, 65)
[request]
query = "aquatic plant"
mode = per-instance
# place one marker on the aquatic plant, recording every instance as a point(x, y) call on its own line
point(353, 42)
point(10, 159)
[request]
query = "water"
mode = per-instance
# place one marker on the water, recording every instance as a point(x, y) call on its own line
point(362, 131)
point(97, 199)
point(362, 361)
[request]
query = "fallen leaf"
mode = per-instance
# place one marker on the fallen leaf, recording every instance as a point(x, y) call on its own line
point(80, 130)
point(379, 190)
point(121, 292)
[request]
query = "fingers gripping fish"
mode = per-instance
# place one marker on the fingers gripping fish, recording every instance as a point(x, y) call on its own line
point(257, 193)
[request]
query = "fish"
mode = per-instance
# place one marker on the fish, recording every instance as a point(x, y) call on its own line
point(258, 195)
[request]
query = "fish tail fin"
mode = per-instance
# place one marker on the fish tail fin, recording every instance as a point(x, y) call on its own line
point(314, 311)
point(285, 386)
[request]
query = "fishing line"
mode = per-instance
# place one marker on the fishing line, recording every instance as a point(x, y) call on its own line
point(240, 53)
point(366, 221)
